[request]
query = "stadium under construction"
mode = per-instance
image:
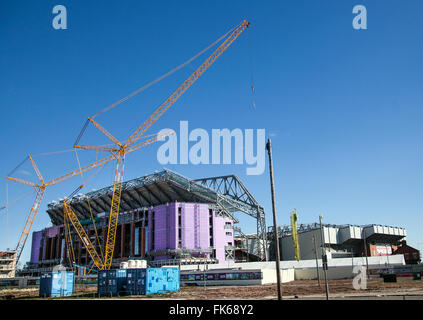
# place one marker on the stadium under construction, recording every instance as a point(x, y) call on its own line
point(168, 219)
point(164, 217)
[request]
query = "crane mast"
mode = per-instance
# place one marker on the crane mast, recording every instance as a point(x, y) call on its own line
point(29, 222)
point(83, 235)
point(114, 211)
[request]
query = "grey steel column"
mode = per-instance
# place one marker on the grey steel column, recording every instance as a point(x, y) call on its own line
point(324, 259)
point(275, 225)
point(365, 250)
point(317, 261)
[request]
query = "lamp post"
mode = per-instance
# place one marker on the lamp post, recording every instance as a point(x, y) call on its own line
point(317, 261)
point(365, 251)
point(275, 225)
point(324, 258)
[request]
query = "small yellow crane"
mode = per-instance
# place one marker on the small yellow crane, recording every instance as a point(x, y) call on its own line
point(294, 219)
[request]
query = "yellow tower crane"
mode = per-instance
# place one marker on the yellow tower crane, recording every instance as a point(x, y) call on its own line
point(41, 187)
point(121, 149)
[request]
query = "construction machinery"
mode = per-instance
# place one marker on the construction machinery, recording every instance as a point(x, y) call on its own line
point(41, 187)
point(294, 219)
point(122, 148)
point(72, 217)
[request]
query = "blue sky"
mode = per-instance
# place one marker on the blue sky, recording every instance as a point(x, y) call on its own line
point(343, 107)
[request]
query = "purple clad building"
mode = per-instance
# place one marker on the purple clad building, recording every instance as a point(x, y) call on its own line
point(164, 218)
point(189, 230)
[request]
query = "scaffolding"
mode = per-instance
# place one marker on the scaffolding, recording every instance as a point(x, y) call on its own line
point(7, 264)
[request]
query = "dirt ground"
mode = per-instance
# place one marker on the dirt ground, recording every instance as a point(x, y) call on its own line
point(300, 289)
point(294, 289)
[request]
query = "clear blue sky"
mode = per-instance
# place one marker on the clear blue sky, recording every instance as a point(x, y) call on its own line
point(343, 107)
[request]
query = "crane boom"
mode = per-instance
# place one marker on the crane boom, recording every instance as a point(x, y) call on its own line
point(105, 132)
point(83, 169)
point(39, 197)
point(28, 183)
point(29, 221)
point(188, 83)
point(37, 171)
point(82, 235)
point(41, 189)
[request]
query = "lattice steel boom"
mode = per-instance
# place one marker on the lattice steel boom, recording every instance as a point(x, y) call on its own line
point(83, 236)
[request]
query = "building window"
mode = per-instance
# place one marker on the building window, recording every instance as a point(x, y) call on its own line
point(211, 227)
point(152, 230)
point(179, 227)
point(137, 242)
point(229, 234)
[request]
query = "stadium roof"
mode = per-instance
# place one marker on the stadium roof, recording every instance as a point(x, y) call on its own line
point(161, 188)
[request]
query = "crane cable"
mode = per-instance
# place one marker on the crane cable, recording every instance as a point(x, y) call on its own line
point(10, 203)
point(72, 257)
point(18, 166)
point(88, 200)
point(7, 215)
point(95, 229)
point(152, 83)
point(69, 243)
point(251, 71)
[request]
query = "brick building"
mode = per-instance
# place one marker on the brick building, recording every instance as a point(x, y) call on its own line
point(411, 255)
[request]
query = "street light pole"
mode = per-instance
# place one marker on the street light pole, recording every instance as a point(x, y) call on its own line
point(317, 261)
point(324, 259)
point(365, 251)
point(275, 225)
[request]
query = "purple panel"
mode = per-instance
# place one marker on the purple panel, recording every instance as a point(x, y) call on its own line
point(195, 228)
point(204, 231)
point(160, 227)
point(35, 248)
point(219, 241)
point(188, 226)
point(53, 231)
point(173, 226)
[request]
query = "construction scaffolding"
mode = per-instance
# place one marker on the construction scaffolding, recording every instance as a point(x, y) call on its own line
point(7, 264)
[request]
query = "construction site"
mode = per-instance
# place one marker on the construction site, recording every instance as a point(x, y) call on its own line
point(166, 221)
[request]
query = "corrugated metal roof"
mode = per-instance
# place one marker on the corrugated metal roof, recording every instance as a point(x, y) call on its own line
point(144, 192)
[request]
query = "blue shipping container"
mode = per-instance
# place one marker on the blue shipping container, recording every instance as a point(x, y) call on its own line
point(112, 282)
point(131, 284)
point(157, 280)
point(138, 281)
point(57, 284)
point(102, 283)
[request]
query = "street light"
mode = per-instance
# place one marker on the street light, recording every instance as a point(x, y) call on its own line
point(275, 224)
point(317, 262)
point(324, 258)
point(365, 251)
